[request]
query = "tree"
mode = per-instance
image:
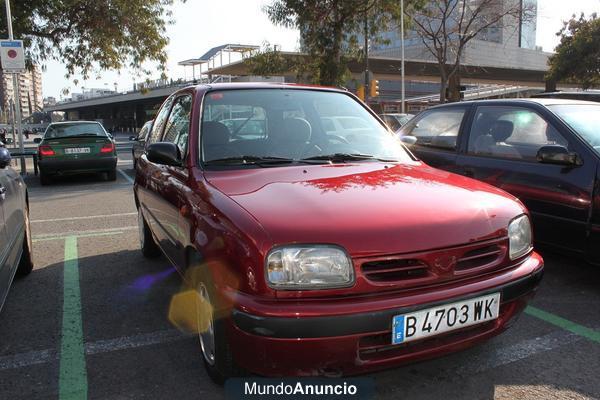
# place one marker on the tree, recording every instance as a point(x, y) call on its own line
point(329, 32)
point(89, 35)
point(446, 27)
point(577, 57)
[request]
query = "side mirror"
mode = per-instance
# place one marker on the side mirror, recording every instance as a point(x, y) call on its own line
point(37, 140)
point(557, 154)
point(4, 157)
point(408, 140)
point(165, 153)
point(132, 138)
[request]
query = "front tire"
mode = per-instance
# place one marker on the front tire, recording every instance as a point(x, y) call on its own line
point(26, 262)
point(214, 343)
point(149, 247)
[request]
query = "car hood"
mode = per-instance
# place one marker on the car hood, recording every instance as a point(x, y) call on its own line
point(369, 208)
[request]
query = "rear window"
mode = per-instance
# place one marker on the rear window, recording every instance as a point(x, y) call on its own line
point(75, 129)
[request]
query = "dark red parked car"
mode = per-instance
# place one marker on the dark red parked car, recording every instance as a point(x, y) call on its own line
point(317, 253)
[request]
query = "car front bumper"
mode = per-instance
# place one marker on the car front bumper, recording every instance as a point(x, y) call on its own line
point(329, 339)
point(69, 166)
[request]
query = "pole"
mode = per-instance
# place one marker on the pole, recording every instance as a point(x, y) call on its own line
point(402, 53)
point(16, 91)
point(366, 59)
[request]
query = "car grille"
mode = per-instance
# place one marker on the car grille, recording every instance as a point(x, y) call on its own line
point(441, 265)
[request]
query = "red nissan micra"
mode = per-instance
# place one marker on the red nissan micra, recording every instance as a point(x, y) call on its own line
point(315, 242)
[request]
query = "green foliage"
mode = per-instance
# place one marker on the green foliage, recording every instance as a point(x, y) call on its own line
point(329, 32)
point(88, 35)
point(577, 57)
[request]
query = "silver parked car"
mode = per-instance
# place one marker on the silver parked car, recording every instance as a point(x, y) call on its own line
point(15, 234)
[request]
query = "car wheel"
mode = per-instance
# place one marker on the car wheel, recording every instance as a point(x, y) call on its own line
point(26, 262)
point(111, 175)
point(44, 178)
point(214, 343)
point(149, 247)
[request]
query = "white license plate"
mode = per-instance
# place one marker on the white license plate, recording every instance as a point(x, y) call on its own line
point(77, 150)
point(444, 318)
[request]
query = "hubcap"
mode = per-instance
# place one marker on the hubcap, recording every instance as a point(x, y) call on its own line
point(207, 338)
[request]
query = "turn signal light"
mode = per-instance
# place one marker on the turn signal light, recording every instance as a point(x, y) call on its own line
point(107, 148)
point(46, 151)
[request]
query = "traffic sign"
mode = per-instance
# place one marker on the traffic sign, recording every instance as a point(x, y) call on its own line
point(12, 56)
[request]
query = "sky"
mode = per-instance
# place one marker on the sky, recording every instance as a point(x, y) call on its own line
point(203, 24)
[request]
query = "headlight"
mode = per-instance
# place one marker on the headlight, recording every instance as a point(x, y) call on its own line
point(309, 267)
point(519, 237)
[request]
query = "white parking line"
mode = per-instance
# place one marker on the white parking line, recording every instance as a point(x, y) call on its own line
point(82, 218)
point(125, 176)
point(101, 346)
point(82, 233)
point(477, 364)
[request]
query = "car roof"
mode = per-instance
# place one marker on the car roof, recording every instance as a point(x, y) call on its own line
point(541, 101)
point(263, 85)
point(74, 122)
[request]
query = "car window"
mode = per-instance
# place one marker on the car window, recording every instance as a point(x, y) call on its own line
point(143, 135)
point(437, 128)
point(249, 122)
point(177, 126)
point(511, 132)
point(584, 119)
point(294, 127)
point(392, 122)
point(159, 121)
point(74, 129)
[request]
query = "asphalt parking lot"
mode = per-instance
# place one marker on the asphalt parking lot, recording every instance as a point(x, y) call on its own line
point(92, 318)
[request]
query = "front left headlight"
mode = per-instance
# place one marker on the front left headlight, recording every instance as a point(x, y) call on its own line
point(309, 267)
point(519, 237)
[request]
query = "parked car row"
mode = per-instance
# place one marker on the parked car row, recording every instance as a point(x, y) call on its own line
point(316, 242)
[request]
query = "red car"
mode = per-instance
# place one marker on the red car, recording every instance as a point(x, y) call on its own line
point(323, 254)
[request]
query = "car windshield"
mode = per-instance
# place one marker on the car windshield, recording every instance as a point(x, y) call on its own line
point(584, 119)
point(249, 126)
point(74, 129)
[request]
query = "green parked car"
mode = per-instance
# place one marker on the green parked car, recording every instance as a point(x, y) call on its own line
point(76, 147)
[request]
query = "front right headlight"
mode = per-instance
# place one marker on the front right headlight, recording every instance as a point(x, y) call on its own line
point(519, 237)
point(298, 267)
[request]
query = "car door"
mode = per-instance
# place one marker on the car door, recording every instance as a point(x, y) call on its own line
point(173, 178)
point(501, 149)
point(150, 178)
point(8, 237)
point(437, 135)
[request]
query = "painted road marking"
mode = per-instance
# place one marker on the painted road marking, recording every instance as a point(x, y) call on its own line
point(565, 324)
point(125, 176)
point(72, 382)
point(98, 347)
point(83, 218)
point(93, 232)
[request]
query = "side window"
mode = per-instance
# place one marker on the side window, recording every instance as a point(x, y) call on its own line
point(177, 126)
point(437, 128)
point(159, 121)
point(511, 132)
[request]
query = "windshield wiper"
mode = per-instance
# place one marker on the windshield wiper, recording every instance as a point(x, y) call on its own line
point(251, 160)
point(343, 157)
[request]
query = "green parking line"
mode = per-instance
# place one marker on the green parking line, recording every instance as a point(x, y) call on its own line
point(564, 323)
point(72, 383)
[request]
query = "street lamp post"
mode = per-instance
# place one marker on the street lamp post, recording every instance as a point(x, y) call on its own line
point(16, 91)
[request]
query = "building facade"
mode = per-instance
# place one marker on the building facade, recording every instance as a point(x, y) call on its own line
point(30, 86)
point(510, 43)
